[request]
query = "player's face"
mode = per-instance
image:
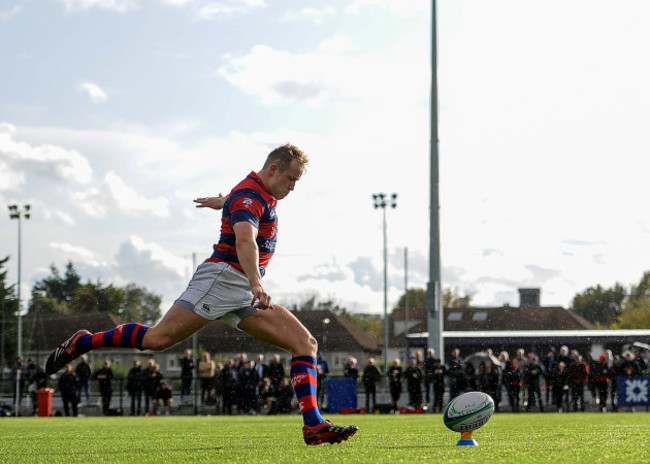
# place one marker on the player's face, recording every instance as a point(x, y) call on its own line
point(283, 182)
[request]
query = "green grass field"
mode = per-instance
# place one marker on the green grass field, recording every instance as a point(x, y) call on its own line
point(509, 438)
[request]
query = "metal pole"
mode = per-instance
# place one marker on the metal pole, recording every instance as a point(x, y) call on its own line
point(406, 301)
point(194, 351)
point(16, 213)
point(385, 294)
point(434, 297)
point(381, 200)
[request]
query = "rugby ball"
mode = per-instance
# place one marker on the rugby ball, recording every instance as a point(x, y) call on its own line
point(468, 412)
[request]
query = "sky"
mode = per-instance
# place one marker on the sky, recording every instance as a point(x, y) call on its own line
point(116, 114)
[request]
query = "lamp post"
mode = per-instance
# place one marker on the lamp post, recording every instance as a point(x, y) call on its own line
point(15, 212)
point(381, 200)
point(326, 323)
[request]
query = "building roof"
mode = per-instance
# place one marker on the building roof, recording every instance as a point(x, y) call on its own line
point(510, 318)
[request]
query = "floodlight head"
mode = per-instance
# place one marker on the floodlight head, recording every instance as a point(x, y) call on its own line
point(28, 207)
point(13, 207)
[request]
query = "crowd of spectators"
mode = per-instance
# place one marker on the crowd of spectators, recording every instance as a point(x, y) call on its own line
point(556, 381)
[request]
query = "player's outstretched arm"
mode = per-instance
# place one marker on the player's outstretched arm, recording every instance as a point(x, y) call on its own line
point(211, 202)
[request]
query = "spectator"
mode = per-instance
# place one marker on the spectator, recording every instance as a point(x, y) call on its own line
point(83, 372)
point(578, 374)
point(438, 380)
point(322, 371)
point(504, 361)
point(18, 377)
point(152, 379)
point(493, 383)
point(187, 374)
point(249, 383)
point(261, 369)
point(549, 363)
point(207, 369)
point(134, 387)
point(430, 363)
point(276, 371)
point(68, 386)
point(614, 373)
point(394, 375)
point(591, 379)
point(629, 366)
point(266, 397)
point(533, 375)
point(601, 381)
point(229, 378)
point(559, 380)
point(470, 377)
point(284, 395)
point(371, 376)
point(36, 379)
point(414, 376)
point(641, 362)
point(105, 377)
point(512, 375)
point(456, 378)
point(350, 370)
point(163, 398)
point(455, 357)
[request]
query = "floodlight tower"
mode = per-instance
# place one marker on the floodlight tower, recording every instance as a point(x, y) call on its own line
point(381, 200)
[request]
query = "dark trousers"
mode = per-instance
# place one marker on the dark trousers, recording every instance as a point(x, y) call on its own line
point(136, 402)
point(69, 400)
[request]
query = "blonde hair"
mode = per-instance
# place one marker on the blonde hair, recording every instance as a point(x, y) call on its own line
point(284, 155)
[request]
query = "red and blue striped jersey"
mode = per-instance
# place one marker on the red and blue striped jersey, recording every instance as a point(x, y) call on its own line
point(248, 201)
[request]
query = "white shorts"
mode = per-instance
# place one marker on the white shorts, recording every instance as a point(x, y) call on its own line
point(218, 291)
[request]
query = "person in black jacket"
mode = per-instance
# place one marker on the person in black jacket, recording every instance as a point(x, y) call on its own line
point(394, 375)
point(187, 374)
point(276, 371)
point(438, 379)
point(134, 386)
point(83, 372)
point(68, 384)
point(229, 379)
point(533, 375)
point(414, 377)
point(105, 376)
point(371, 376)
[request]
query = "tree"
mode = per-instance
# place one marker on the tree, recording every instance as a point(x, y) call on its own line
point(636, 310)
point(599, 305)
point(60, 288)
point(9, 319)
point(90, 298)
point(417, 299)
point(140, 305)
point(66, 295)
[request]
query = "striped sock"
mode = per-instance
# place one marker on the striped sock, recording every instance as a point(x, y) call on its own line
point(303, 381)
point(126, 336)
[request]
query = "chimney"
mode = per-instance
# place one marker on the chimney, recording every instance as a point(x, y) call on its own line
point(529, 297)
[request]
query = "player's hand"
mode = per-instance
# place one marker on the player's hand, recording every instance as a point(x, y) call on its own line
point(211, 202)
point(261, 299)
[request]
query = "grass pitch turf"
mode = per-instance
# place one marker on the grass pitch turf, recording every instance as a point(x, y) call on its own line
point(507, 438)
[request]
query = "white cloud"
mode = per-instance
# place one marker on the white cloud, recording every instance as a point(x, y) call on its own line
point(316, 15)
point(130, 201)
point(95, 92)
point(75, 253)
point(49, 161)
point(397, 8)
point(10, 13)
point(222, 9)
point(119, 6)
